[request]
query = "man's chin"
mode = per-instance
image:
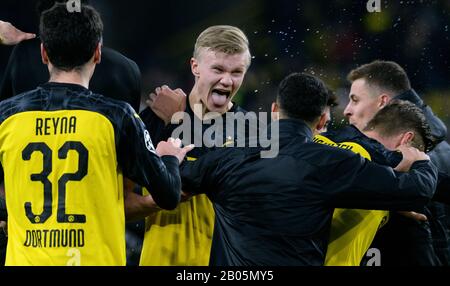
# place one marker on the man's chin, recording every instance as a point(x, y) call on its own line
point(217, 108)
point(358, 126)
point(220, 110)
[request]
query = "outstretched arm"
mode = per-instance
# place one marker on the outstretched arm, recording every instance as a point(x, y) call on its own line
point(141, 163)
point(137, 206)
point(10, 35)
point(367, 185)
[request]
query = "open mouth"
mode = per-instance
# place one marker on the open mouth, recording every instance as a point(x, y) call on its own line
point(219, 97)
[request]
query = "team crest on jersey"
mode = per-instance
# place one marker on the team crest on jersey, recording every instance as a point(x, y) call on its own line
point(148, 142)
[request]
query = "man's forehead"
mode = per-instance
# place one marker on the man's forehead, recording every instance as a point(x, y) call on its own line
point(360, 88)
point(220, 56)
point(360, 83)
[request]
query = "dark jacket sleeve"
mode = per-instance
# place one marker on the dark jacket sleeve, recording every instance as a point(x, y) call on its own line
point(6, 88)
point(438, 128)
point(442, 194)
point(154, 125)
point(440, 156)
point(360, 184)
point(141, 164)
point(202, 175)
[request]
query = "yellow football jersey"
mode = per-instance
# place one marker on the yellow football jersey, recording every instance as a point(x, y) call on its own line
point(182, 237)
point(60, 193)
point(64, 152)
point(179, 237)
point(193, 222)
point(352, 230)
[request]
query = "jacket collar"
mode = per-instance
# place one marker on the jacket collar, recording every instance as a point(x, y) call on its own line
point(290, 127)
point(411, 96)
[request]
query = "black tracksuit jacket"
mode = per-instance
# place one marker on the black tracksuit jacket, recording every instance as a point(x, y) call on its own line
point(278, 211)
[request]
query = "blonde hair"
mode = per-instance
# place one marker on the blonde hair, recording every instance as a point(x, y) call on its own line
point(226, 39)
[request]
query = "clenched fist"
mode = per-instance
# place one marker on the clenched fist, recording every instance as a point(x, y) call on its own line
point(166, 102)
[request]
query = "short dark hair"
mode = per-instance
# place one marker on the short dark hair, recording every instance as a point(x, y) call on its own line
point(332, 99)
point(43, 5)
point(402, 116)
point(385, 75)
point(302, 96)
point(69, 38)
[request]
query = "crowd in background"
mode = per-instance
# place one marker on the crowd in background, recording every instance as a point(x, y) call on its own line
point(325, 38)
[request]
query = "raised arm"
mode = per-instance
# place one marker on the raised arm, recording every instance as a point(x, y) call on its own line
point(141, 164)
point(137, 206)
point(10, 35)
point(166, 102)
point(203, 175)
point(366, 185)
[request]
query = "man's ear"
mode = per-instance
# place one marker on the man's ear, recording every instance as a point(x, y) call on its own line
point(384, 100)
point(322, 121)
point(275, 111)
point(44, 55)
point(98, 54)
point(407, 138)
point(275, 107)
point(194, 67)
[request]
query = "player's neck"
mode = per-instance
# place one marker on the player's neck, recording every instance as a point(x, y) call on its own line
point(195, 101)
point(72, 77)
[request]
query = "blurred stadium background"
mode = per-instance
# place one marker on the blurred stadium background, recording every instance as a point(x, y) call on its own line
point(325, 38)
